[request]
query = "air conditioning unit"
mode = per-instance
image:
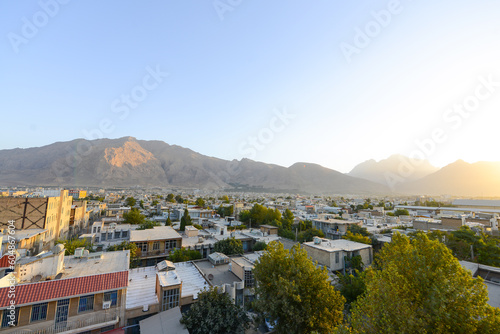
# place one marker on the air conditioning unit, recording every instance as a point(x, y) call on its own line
point(106, 305)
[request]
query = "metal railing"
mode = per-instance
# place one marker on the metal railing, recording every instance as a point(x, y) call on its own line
point(92, 319)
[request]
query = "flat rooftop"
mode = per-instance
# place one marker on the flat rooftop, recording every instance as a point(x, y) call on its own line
point(141, 287)
point(156, 233)
point(337, 245)
point(337, 221)
point(168, 278)
point(109, 262)
point(28, 233)
point(243, 262)
point(220, 274)
point(192, 280)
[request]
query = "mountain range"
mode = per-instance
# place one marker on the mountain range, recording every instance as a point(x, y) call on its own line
point(128, 162)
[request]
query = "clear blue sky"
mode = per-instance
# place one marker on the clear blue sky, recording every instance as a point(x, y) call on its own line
point(232, 64)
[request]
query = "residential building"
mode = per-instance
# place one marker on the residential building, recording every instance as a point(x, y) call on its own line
point(336, 254)
point(49, 213)
point(79, 218)
point(155, 244)
point(77, 194)
point(55, 293)
point(162, 287)
point(333, 228)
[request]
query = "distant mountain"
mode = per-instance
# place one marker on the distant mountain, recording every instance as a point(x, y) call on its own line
point(381, 170)
point(129, 162)
point(459, 178)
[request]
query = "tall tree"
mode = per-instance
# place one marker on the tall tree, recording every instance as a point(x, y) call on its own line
point(185, 220)
point(134, 216)
point(229, 246)
point(215, 313)
point(179, 199)
point(294, 293)
point(130, 201)
point(418, 286)
point(200, 202)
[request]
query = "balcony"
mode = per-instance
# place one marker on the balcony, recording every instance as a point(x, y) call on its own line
point(156, 253)
point(74, 325)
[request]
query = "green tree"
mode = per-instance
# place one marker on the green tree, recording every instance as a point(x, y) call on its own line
point(179, 199)
point(229, 246)
point(134, 251)
point(141, 204)
point(185, 220)
point(183, 255)
point(130, 201)
point(294, 293)
point(287, 219)
point(401, 212)
point(225, 199)
point(71, 244)
point(134, 217)
point(259, 245)
point(417, 286)
point(352, 286)
point(356, 229)
point(148, 224)
point(171, 198)
point(168, 222)
point(309, 234)
point(357, 238)
point(200, 202)
point(215, 313)
point(225, 211)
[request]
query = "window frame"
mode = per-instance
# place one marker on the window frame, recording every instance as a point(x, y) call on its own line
point(88, 306)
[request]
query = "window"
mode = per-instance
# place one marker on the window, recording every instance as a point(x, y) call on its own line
point(118, 234)
point(103, 236)
point(248, 278)
point(39, 312)
point(9, 318)
point(156, 245)
point(110, 235)
point(124, 234)
point(86, 303)
point(97, 239)
point(170, 244)
point(143, 246)
point(337, 257)
point(111, 296)
point(170, 299)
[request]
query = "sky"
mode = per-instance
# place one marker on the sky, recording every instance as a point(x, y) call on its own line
point(328, 82)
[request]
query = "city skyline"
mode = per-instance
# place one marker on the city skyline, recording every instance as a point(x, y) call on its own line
point(328, 83)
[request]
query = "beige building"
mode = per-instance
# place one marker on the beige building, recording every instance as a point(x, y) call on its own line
point(55, 293)
point(155, 244)
point(49, 213)
point(336, 254)
point(333, 228)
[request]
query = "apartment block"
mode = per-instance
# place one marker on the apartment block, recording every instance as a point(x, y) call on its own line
point(54, 293)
